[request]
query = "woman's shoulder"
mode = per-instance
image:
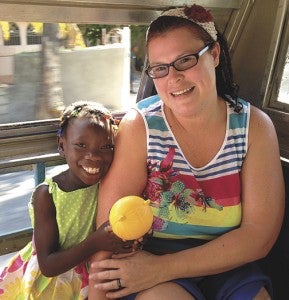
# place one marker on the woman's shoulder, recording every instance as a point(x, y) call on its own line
point(149, 103)
point(256, 114)
point(259, 119)
point(261, 127)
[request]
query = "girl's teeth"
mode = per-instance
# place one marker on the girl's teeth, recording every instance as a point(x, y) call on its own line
point(91, 170)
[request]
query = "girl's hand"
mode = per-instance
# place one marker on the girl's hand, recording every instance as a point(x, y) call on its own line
point(139, 243)
point(135, 272)
point(108, 241)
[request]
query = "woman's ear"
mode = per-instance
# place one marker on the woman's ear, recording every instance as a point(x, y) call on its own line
point(215, 51)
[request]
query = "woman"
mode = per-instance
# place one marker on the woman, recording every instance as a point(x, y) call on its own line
point(209, 162)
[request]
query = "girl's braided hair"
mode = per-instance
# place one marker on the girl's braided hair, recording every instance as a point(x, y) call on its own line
point(97, 113)
point(226, 87)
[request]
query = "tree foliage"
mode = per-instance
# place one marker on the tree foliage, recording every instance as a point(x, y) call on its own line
point(92, 34)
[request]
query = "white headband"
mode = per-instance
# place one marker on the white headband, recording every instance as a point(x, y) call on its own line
point(196, 14)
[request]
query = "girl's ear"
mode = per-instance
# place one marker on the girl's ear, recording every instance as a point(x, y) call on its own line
point(216, 53)
point(60, 146)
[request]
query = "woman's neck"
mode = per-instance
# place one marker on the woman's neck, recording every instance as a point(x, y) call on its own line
point(199, 137)
point(209, 116)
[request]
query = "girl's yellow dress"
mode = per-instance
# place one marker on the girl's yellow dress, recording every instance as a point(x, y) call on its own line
point(22, 278)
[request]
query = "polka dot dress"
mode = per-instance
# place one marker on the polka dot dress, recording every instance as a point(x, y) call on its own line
point(22, 279)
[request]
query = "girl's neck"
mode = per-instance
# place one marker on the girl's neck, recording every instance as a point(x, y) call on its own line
point(67, 182)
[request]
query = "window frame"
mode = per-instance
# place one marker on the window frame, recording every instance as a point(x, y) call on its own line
point(278, 111)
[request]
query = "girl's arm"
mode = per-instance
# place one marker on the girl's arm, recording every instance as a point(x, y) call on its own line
point(53, 260)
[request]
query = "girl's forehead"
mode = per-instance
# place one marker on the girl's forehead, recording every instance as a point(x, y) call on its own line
point(81, 125)
point(86, 121)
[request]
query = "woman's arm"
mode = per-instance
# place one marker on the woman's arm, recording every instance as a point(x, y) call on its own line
point(262, 215)
point(126, 176)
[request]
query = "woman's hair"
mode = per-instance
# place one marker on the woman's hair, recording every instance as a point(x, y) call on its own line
point(95, 112)
point(226, 87)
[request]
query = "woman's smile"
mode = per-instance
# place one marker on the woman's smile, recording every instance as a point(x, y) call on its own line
point(182, 92)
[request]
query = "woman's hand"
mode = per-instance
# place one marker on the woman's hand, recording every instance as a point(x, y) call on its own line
point(125, 274)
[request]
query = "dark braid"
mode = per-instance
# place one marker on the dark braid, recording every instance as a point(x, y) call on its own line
point(95, 112)
point(226, 87)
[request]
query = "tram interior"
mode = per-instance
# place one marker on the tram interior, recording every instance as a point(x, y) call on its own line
point(258, 35)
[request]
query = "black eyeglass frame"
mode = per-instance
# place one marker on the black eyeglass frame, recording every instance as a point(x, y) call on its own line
point(172, 64)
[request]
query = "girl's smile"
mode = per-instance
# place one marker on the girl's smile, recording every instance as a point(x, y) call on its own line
point(88, 150)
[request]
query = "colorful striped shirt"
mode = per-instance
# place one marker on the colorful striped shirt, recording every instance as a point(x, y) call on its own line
point(190, 202)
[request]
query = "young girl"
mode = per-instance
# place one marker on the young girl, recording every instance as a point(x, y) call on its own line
point(54, 265)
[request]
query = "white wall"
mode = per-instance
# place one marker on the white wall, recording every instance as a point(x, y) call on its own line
point(100, 73)
point(96, 73)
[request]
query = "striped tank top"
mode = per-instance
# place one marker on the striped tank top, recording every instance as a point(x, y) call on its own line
point(190, 202)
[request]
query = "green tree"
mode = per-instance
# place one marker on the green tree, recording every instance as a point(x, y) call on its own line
point(92, 34)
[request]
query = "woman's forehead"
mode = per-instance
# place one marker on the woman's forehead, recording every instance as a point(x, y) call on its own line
point(177, 32)
point(174, 42)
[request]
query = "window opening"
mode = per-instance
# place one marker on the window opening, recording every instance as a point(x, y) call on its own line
point(283, 95)
point(34, 33)
point(12, 36)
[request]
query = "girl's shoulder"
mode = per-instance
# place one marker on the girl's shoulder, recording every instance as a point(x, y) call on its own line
point(48, 185)
point(41, 188)
point(44, 190)
point(40, 199)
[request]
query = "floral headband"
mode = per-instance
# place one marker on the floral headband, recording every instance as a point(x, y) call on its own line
point(196, 14)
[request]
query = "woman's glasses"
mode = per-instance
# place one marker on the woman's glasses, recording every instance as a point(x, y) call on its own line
point(180, 64)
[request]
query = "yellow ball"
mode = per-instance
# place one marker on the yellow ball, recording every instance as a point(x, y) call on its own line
point(131, 217)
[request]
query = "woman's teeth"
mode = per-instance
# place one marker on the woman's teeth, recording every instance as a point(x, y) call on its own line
point(182, 92)
point(91, 170)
